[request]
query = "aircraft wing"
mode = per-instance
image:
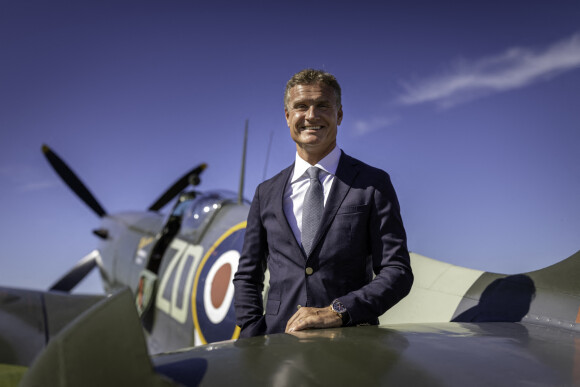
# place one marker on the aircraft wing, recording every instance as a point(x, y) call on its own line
point(438, 354)
point(30, 318)
point(103, 346)
point(97, 349)
point(499, 330)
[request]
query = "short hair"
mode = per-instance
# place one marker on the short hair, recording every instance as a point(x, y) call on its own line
point(309, 77)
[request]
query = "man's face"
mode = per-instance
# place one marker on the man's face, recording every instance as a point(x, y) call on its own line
point(313, 118)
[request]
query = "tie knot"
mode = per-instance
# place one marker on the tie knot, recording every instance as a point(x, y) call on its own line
point(313, 172)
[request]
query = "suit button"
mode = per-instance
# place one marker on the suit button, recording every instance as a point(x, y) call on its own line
point(309, 270)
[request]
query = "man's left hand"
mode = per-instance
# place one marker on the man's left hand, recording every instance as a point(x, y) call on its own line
point(309, 318)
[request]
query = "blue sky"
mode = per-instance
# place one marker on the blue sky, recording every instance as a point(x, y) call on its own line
point(472, 107)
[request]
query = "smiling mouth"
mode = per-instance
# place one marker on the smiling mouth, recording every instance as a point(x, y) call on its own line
point(311, 127)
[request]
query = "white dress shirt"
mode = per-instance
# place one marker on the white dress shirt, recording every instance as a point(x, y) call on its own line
point(298, 185)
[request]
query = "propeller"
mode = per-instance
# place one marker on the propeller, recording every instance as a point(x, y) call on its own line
point(74, 183)
point(71, 279)
point(191, 177)
point(75, 275)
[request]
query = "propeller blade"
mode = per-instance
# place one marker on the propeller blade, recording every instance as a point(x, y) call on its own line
point(71, 279)
point(74, 183)
point(177, 187)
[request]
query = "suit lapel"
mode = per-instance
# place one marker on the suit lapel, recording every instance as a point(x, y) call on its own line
point(345, 175)
point(278, 191)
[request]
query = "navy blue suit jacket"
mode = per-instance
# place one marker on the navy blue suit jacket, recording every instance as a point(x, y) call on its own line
point(361, 233)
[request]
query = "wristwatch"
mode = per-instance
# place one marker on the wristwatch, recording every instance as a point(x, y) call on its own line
point(338, 308)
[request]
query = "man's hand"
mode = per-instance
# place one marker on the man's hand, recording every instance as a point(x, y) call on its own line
point(308, 318)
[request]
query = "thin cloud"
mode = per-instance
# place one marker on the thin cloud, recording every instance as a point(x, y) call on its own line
point(37, 186)
point(513, 69)
point(23, 178)
point(362, 127)
point(12, 170)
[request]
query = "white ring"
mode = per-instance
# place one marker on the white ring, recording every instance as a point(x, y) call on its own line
point(217, 315)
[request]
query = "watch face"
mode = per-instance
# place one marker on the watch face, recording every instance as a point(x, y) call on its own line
point(338, 307)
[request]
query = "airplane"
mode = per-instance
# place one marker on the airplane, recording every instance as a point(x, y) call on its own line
point(167, 318)
point(178, 266)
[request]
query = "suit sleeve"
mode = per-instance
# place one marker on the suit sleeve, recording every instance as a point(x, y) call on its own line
point(390, 259)
point(249, 278)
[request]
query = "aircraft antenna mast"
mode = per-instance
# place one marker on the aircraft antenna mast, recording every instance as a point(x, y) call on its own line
point(267, 156)
point(243, 172)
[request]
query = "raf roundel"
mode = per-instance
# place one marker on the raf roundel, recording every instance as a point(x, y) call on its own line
point(213, 290)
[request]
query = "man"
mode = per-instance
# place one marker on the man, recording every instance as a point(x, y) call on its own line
point(320, 231)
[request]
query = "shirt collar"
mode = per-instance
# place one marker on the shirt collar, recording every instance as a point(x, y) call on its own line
point(329, 164)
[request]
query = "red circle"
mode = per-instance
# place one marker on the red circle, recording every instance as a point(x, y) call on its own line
point(220, 285)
